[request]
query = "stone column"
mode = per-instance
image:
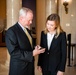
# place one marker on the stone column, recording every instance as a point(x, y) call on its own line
point(51, 7)
point(40, 18)
point(12, 9)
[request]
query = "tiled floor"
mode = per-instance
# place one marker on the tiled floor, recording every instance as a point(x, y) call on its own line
point(4, 69)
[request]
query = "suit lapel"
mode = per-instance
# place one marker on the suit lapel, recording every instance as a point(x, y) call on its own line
point(23, 33)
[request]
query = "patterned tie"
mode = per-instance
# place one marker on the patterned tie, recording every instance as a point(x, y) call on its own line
point(29, 37)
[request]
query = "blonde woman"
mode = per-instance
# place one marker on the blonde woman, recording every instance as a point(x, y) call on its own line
point(53, 38)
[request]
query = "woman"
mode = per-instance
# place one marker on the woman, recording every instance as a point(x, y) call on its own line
point(53, 38)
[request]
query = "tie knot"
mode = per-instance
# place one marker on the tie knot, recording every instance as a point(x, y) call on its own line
point(29, 31)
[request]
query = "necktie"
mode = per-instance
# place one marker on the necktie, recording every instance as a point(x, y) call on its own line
point(28, 35)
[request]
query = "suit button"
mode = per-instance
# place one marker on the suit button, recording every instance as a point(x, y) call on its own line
point(47, 53)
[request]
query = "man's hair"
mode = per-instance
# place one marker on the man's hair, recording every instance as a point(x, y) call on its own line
point(23, 11)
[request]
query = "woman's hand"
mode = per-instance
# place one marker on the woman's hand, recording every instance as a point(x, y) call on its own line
point(60, 73)
point(39, 68)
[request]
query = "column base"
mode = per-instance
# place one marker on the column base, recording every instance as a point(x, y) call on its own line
point(7, 63)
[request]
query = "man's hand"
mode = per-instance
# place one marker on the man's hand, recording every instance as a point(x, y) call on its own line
point(38, 50)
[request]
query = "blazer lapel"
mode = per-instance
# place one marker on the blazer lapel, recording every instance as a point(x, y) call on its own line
point(53, 42)
point(46, 41)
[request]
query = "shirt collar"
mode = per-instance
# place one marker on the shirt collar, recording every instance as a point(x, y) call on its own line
point(21, 26)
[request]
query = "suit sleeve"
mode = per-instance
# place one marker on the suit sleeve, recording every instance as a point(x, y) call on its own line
point(63, 52)
point(14, 49)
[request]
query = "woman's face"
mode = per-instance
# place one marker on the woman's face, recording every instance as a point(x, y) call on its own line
point(51, 26)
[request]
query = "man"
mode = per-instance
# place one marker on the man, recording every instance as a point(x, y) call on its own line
point(20, 45)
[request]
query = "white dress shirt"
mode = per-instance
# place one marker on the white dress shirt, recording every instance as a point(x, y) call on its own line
point(49, 39)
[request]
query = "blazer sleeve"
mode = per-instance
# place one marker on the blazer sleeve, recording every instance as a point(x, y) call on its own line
point(14, 49)
point(63, 52)
point(40, 55)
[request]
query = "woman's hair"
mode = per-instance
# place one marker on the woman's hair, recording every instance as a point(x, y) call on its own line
point(56, 18)
point(23, 11)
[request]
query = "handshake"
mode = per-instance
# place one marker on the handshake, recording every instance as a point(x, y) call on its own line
point(38, 49)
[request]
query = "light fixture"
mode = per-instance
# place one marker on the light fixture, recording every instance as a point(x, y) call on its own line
point(65, 3)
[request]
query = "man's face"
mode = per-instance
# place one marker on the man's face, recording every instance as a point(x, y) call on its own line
point(27, 20)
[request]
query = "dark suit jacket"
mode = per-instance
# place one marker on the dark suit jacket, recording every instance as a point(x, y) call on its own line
point(21, 56)
point(53, 59)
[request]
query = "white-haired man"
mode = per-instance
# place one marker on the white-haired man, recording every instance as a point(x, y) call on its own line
point(20, 45)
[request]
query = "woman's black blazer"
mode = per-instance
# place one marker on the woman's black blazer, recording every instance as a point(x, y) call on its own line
point(53, 59)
